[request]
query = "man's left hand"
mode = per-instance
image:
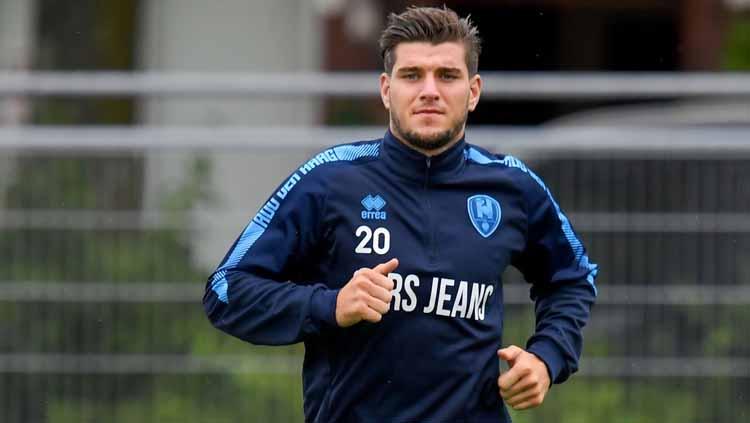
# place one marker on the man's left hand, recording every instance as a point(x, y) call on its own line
point(526, 383)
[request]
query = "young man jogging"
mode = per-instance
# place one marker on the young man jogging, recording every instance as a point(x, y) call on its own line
point(385, 257)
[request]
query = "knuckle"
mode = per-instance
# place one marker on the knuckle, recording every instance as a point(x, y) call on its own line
point(362, 281)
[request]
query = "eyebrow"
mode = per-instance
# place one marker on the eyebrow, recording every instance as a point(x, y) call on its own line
point(418, 69)
point(408, 69)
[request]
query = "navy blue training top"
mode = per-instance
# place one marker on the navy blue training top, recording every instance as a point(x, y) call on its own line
point(454, 221)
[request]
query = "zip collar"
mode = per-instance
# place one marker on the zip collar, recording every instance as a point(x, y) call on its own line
point(411, 164)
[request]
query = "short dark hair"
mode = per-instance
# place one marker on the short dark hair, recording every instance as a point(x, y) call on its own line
point(430, 24)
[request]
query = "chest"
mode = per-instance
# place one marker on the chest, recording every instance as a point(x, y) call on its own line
point(462, 230)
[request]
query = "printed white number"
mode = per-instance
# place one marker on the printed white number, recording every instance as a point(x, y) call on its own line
point(381, 240)
point(362, 247)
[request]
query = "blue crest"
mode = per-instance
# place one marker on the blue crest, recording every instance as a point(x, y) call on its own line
point(485, 214)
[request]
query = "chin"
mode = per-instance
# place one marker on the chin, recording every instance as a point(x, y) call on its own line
point(430, 133)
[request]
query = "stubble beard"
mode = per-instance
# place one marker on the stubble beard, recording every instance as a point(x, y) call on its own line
point(431, 142)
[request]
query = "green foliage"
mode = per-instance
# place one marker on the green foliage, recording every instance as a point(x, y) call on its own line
point(176, 399)
point(44, 182)
point(613, 402)
point(346, 112)
point(85, 256)
point(123, 256)
point(737, 47)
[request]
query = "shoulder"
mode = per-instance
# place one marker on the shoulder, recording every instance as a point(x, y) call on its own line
point(507, 165)
point(330, 164)
point(332, 159)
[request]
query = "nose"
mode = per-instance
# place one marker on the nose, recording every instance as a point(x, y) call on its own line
point(429, 89)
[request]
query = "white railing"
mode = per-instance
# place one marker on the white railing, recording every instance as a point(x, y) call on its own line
point(513, 293)
point(526, 142)
point(249, 363)
point(497, 85)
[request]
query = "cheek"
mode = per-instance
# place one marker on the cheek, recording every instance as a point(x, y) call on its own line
point(399, 103)
point(459, 101)
point(402, 96)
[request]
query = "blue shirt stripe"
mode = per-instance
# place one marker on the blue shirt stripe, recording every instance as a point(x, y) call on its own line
point(575, 244)
point(254, 231)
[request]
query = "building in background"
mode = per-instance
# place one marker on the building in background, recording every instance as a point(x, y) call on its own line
point(553, 35)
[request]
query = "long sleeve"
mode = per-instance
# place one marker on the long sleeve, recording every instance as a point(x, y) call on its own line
point(562, 277)
point(259, 293)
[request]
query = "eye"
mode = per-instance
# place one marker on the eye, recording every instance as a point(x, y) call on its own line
point(448, 76)
point(411, 76)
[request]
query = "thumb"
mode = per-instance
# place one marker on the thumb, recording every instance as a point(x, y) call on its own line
point(387, 267)
point(509, 354)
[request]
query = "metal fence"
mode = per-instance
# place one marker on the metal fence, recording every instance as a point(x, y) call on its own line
point(101, 286)
point(107, 236)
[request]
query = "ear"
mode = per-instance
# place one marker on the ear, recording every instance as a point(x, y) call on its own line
point(385, 90)
point(475, 89)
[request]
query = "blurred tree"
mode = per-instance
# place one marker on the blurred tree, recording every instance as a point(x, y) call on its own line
point(737, 47)
point(86, 35)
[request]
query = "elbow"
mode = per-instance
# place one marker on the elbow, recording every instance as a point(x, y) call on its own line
point(215, 299)
point(212, 307)
point(229, 320)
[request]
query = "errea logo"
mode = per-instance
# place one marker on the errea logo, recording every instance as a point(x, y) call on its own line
point(373, 207)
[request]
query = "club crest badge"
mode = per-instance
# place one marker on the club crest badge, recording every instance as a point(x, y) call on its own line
point(485, 214)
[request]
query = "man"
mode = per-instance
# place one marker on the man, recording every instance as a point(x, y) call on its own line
point(415, 338)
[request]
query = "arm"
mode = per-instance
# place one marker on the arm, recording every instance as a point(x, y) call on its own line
point(257, 293)
point(562, 278)
point(563, 290)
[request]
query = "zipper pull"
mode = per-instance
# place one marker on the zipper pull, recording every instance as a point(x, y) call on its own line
point(427, 161)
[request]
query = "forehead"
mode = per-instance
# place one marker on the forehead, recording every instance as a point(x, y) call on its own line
point(425, 54)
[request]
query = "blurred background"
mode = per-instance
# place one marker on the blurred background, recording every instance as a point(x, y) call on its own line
point(138, 137)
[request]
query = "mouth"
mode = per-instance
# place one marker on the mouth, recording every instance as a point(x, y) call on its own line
point(428, 112)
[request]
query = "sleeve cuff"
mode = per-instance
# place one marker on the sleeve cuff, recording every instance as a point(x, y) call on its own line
point(323, 307)
point(548, 352)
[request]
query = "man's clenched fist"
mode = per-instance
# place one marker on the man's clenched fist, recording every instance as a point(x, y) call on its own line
point(367, 295)
point(526, 383)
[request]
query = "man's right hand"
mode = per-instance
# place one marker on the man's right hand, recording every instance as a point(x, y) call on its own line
point(367, 295)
